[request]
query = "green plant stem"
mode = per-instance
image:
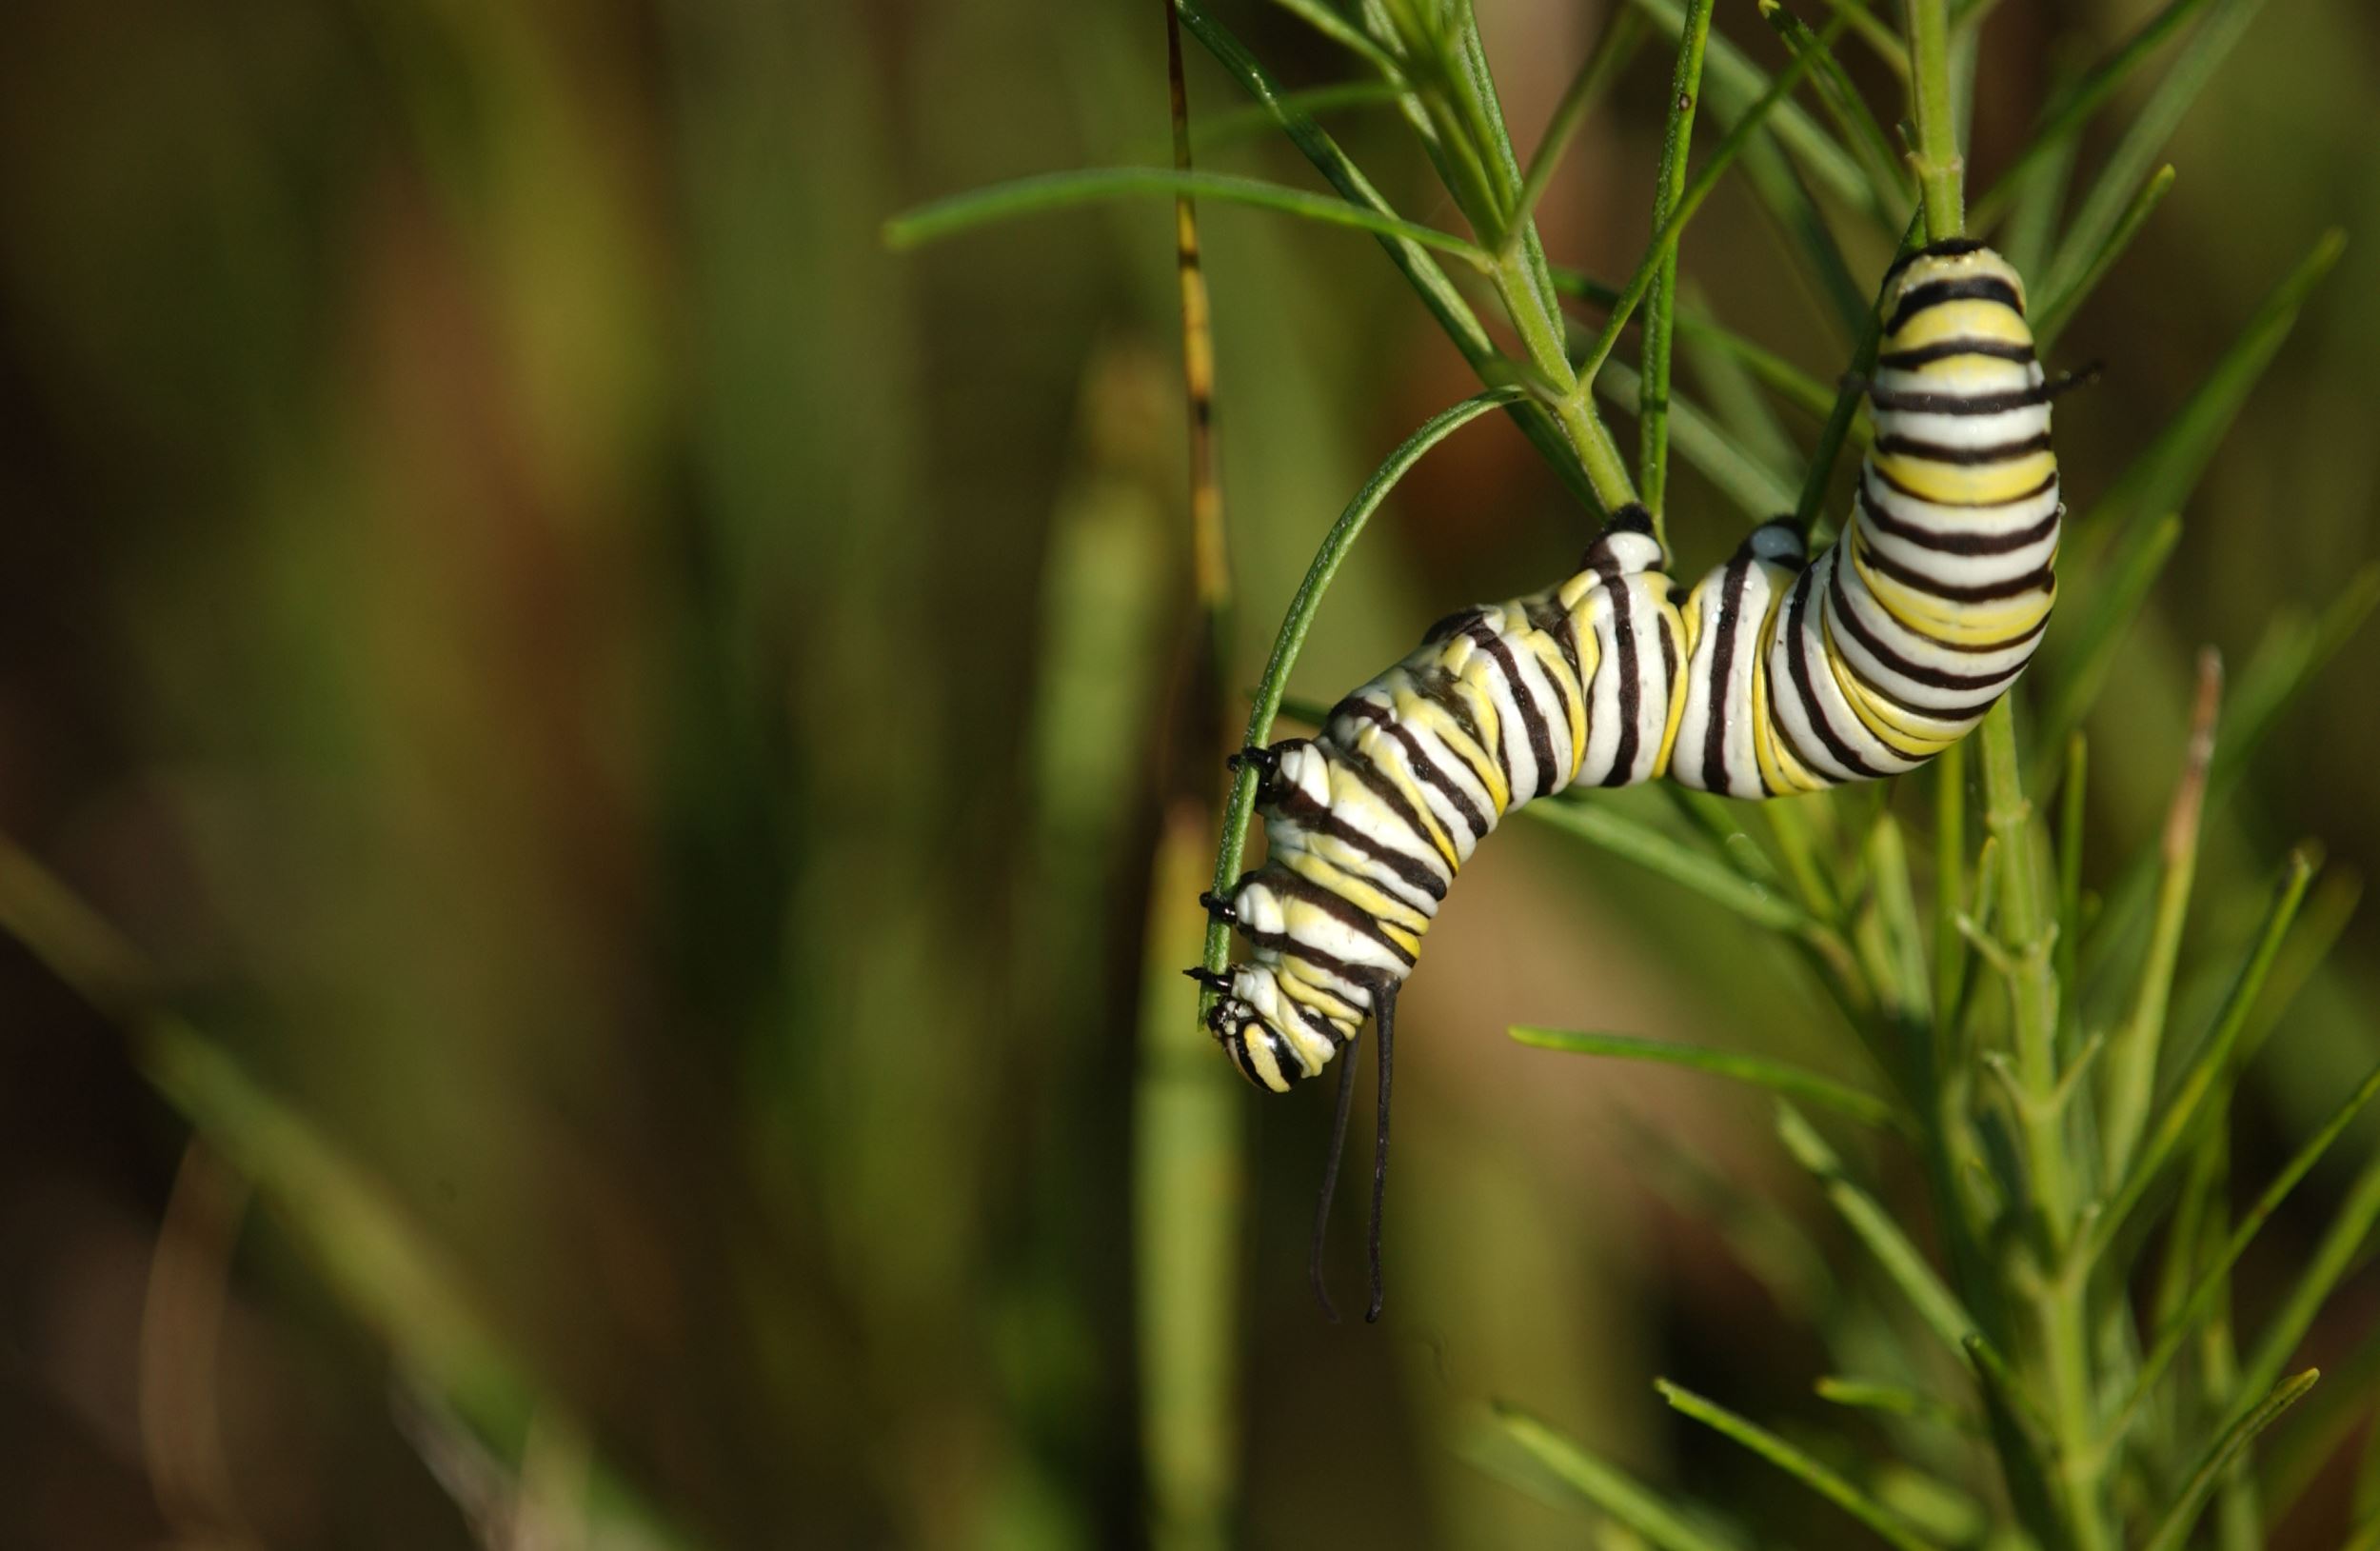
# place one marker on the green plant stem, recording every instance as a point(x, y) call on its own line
point(1668, 188)
point(1941, 172)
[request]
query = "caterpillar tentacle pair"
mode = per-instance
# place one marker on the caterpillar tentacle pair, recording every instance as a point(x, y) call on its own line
point(1771, 676)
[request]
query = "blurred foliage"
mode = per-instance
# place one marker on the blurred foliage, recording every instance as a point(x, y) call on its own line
point(624, 729)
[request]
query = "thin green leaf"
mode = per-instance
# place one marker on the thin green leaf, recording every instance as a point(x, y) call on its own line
point(1758, 490)
point(1681, 863)
point(1879, 37)
point(1242, 123)
point(1888, 176)
point(1604, 1486)
point(2207, 1293)
point(1777, 1076)
point(2089, 654)
point(1933, 1300)
point(1423, 272)
point(1060, 190)
point(1818, 1477)
point(1893, 1401)
point(2074, 107)
point(2173, 1532)
point(1653, 394)
point(2130, 1071)
point(2162, 478)
point(1665, 238)
point(1789, 381)
point(1737, 405)
point(2342, 1245)
point(1735, 81)
point(1330, 24)
point(2179, 1109)
point(1870, 333)
point(2144, 142)
point(1622, 34)
point(1299, 619)
point(2051, 316)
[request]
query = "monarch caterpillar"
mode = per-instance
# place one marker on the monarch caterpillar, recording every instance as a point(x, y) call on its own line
point(1770, 677)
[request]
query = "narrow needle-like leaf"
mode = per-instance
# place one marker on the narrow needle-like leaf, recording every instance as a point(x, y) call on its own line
point(2214, 1279)
point(2173, 1532)
point(1886, 174)
point(1777, 1076)
point(1790, 381)
point(1057, 191)
point(1818, 1476)
point(1759, 490)
point(1291, 640)
point(1604, 1486)
point(2129, 164)
point(2056, 311)
point(2176, 1112)
point(1671, 858)
point(2076, 107)
point(2131, 1066)
point(1551, 437)
point(1622, 34)
point(1935, 1303)
point(2089, 655)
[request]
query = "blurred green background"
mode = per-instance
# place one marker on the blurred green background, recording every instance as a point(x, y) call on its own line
point(629, 727)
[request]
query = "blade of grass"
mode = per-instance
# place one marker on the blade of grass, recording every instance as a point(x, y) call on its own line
point(1299, 619)
point(2173, 1531)
point(2127, 164)
point(1669, 187)
point(949, 216)
point(2052, 315)
point(1761, 1071)
point(2130, 1071)
point(1927, 1293)
point(1818, 1476)
point(1604, 1486)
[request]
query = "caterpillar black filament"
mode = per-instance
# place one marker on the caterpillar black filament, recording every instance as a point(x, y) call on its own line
point(1770, 677)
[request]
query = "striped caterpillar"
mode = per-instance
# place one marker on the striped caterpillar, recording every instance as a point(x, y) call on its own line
point(1770, 677)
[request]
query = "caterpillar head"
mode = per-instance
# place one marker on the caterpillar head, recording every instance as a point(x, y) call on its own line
point(1959, 258)
point(1246, 1020)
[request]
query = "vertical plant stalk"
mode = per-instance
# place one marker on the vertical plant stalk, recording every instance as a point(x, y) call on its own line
point(1186, 1125)
point(1941, 171)
point(2060, 1288)
point(1668, 188)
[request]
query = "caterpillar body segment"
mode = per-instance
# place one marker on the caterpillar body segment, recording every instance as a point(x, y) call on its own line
point(1771, 676)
